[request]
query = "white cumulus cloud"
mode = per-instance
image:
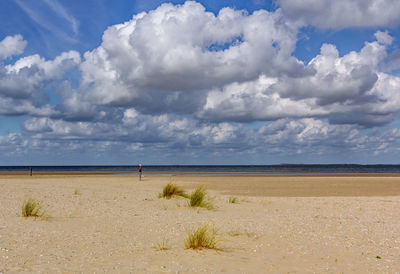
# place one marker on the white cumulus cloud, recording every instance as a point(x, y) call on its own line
point(12, 45)
point(184, 48)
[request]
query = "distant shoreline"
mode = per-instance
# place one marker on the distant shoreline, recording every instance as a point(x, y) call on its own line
point(213, 169)
point(205, 173)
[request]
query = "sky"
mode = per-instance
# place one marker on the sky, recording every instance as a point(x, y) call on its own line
point(101, 82)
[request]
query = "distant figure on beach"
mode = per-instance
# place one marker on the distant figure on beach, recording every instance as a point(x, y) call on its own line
point(140, 172)
point(30, 171)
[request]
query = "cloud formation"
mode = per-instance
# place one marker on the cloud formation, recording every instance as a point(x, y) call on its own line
point(348, 89)
point(185, 49)
point(180, 78)
point(232, 66)
point(62, 12)
point(22, 83)
point(38, 12)
point(340, 14)
point(165, 134)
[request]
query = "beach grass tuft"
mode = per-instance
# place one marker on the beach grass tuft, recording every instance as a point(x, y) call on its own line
point(77, 192)
point(199, 198)
point(163, 245)
point(202, 237)
point(171, 190)
point(31, 208)
point(233, 200)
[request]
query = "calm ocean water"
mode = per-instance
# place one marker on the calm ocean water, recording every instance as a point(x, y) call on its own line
point(164, 169)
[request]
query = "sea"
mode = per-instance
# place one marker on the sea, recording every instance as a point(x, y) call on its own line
point(215, 169)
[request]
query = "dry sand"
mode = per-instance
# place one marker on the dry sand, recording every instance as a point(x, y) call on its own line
point(298, 224)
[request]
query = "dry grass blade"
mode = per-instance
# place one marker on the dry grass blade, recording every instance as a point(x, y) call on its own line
point(163, 245)
point(233, 200)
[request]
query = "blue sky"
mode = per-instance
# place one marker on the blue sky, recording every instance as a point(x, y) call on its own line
point(206, 82)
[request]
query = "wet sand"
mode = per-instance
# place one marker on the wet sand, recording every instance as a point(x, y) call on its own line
point(281, 224)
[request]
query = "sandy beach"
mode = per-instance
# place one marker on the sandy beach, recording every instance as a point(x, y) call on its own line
point(282, 224)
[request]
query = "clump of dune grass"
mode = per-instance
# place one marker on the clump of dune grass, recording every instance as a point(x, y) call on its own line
point(202, 237)
point(32, 208)
point(233, 200)
point(171, 190)
point(199, 198)
point(77, 192)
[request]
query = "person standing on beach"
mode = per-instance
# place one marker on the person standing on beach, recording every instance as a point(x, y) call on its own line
point(30, 171)
point(140, 172)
